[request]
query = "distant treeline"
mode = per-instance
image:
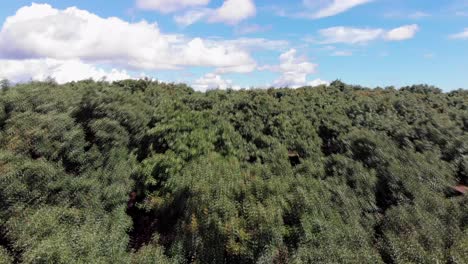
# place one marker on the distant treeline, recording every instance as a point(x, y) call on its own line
point(138, 171)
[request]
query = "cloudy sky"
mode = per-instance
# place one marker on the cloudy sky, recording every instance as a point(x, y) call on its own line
point(238, 43)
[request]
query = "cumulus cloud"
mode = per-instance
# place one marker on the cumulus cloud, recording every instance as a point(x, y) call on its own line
point(249, 44)
point(461, 35)
point(41, 31)
point(168, 6)
point(231, 12)
point(212, 81)
point(318, 82)
point(402, 33)
point(62, 71)
point(328, 8)
point(294, 70)
point(350, 35)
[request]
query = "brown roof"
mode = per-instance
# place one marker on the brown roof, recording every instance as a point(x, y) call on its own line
point(461, 189)
point(293, 154)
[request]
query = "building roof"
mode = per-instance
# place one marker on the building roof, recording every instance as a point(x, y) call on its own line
point(462, 189)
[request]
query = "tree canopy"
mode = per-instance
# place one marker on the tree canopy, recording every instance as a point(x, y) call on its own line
point(139, 171)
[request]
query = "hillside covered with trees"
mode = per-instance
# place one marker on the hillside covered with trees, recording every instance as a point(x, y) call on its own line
point(148, 172)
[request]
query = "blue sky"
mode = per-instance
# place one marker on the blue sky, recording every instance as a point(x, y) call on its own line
point(238, 43)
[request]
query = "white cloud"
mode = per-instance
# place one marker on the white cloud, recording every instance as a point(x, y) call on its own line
point(237, 69)
point(248, 44)
point(168, 6)
point(350, 35)
point(419, 15)
point(62, 71)
point(192, 16)
point(41, 31)
point(290, 62)
point(212, 81)
point(429, 55)
point(318, 82)
point(234, 11)
point(327, 8)
point(405, 15)
point(342, 53)
point(256, 44)
point(250, 29)
point(294, 70)
point(231, 12)
point(402, 33)
point(206, 53)
point(461, 35)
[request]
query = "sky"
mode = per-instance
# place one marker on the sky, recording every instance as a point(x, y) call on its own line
point(212, 44)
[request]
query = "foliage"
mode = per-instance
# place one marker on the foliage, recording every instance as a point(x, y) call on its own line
point(329, 174)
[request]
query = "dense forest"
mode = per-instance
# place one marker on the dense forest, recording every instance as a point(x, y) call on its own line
point(139, 171)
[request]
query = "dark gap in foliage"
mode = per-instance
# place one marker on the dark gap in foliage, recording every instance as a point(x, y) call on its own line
point(282, 257)
point(143, 223)
point(462, 173)
point(143, 150)
point(261, 143)
point(8, 245)
point(149, 144)
point(390, 192)
point(71, 167)
point(144, 226)
point(278, 95)
point(169, 216)
point(383, 196)
point(34, 155)
point(3, 117)
point(292, 222)
point(379, 240)
point(82, 117)
point(252, 159)
point(364, 150)
point(294, 158)
point(162, 221)
point(330, 143)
